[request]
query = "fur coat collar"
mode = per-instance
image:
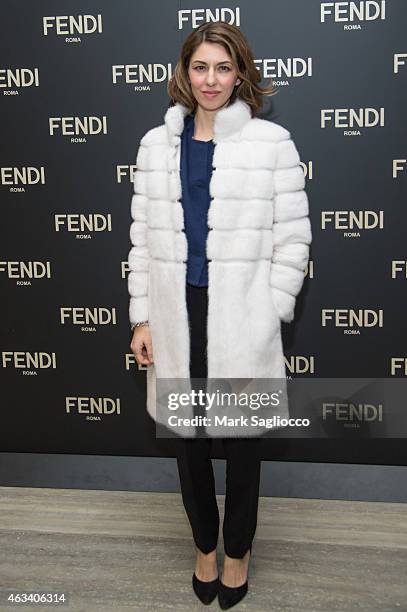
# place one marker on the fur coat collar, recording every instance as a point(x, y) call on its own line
point(227, 122)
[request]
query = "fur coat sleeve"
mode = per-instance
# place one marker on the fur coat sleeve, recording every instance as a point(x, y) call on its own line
point(291, 229)
point(138, 258)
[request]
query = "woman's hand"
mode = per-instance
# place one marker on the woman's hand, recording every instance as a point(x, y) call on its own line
point(141, 345)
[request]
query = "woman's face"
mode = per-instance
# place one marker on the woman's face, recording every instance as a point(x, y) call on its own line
point(212, 75)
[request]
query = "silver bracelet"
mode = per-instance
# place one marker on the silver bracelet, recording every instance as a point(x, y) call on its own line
point(138, 324)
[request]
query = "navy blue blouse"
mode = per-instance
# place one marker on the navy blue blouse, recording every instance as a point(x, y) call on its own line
point(196, 171)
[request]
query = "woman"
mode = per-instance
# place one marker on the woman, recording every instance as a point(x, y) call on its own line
point(220, 237)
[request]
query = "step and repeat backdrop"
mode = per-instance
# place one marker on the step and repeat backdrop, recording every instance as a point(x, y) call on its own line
point(80, 84)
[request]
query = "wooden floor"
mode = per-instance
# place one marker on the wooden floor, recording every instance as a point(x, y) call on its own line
point(133, 551)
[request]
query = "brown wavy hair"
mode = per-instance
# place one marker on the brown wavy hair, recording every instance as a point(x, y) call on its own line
point(235, 43)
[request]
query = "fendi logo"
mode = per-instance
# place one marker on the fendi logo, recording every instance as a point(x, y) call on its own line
point(82, 224)
point(280, 70)
point(141, 74)
point(125, 171)
point(351, 319)
point(17, 177)
point(352, 220)
point(72, 26)
point(351, 415)
point(351, 12)
point(28, 362)
point(86, 317)
point(13, 78)
point(398, 366)
point(299, 364)
point(194, 17)
point(92, 407)
point(398, 60)
point(399, 165)
point(399, 268)
point(24, 271)
point(77, 127)
point(351, 119)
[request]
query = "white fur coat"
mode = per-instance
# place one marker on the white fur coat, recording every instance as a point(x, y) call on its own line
point(257, 246)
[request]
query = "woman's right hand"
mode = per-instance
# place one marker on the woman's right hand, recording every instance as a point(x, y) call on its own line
point(141, 345)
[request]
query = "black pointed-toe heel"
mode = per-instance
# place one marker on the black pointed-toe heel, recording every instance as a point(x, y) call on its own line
point(230, 596)
point(205, 591)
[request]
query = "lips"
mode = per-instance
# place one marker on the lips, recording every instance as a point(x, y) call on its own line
point(211, 94)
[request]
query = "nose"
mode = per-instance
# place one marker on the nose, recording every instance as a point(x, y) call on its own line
point(211, 78)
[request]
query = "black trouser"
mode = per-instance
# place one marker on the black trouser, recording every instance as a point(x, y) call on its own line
point(243, 463)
